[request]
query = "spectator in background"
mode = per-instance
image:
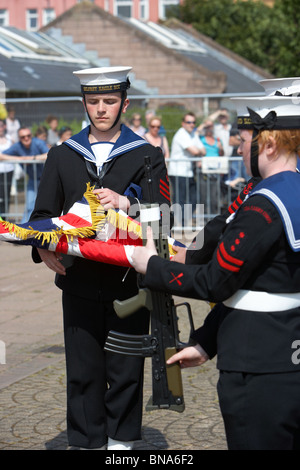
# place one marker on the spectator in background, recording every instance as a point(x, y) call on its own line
point(64, 133)
point(229, 136)
point(209, 188)
point(52, 136)
point(12, 124)
point(212, 144)
point(153, 137)
point(222, 129)
point(12, 127)
point(238, 172)
point(41, 133)
point(150, 113)
point(185, 145)
point(136, 125)
point(28, 148)
point(6, 171)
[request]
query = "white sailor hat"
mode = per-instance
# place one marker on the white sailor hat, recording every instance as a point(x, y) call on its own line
point(271, 112)
point(282, 86)
point(103, 79)
point(268, 112)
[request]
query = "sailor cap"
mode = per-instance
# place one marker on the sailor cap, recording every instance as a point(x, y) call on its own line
point(279, 109)
point(282, 86)
point(103, 79)
point(268, 112)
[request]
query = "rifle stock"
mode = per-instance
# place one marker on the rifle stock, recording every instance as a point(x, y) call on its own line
point(124, 308)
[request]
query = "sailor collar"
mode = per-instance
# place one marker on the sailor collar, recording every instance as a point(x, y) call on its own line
point(127, 141)
point(283, 190)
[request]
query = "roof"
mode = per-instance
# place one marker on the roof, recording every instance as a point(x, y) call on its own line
point(242, 75)
point(38, 63)
point(35, 64)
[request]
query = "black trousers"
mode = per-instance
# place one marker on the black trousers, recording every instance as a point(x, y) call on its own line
point(104, 390)
point(261, 411)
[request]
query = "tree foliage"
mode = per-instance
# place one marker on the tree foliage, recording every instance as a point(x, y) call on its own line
point(268, 37)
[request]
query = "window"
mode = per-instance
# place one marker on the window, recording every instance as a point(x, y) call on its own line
point(123, 8)
point(164, 6)
point(48, 15)
point(4, 17)
point(144, 9)
point(32, 19)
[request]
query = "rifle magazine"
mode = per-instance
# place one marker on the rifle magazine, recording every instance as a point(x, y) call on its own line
point(130, 345)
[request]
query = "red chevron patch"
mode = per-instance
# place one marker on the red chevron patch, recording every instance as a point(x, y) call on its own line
point(164, 189)
point(228, 261)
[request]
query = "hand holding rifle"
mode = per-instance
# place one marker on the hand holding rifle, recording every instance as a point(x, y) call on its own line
point(192, 356)
point(142, 254)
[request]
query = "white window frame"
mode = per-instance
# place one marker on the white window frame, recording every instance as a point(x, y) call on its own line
point(30, 16)
point(48, 15)
point(162, 7)
point(123, 3)
point(144, 5)
point(4, 17)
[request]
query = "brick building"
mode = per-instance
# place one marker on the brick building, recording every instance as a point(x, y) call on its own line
point(169, 58)
point(166, 59)
point(161, 70)
point(32, 15)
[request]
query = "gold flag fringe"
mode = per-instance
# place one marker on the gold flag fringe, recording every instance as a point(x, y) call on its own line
point(122, 222)
point(98, 215)
point(99, 218)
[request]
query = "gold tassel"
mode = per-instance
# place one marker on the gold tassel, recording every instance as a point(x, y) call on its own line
point(124, 223)
point(97, 215)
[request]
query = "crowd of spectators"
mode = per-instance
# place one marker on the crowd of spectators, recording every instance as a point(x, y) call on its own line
point(193, 178)
point(18, 144)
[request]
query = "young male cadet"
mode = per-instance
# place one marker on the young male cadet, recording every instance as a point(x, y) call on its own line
point(104, 390)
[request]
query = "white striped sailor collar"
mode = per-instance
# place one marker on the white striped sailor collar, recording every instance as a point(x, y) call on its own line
point(282, 189)
point(127, 141)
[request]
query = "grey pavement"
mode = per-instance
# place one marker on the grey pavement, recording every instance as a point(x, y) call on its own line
point(32, 371)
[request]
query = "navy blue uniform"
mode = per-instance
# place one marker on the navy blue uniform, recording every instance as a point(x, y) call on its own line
point(257, 253)
point(104, 390)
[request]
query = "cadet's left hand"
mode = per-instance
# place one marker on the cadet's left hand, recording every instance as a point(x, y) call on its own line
point(191, 356)
point(111, 200)
point(142, 254)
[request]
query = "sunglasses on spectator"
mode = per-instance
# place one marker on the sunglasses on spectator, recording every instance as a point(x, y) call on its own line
point(155, 126)
point(190, 122)
point(27, 136)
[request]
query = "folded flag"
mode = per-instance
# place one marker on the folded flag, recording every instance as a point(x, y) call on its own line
point(87, 230)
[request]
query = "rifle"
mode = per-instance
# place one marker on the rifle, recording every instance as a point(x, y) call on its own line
point(164, 340)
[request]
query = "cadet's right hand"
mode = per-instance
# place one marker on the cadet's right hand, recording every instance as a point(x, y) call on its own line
point(180, 255)
point(52, 260)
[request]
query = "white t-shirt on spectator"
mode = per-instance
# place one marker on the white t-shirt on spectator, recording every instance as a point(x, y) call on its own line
point(182, 140)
